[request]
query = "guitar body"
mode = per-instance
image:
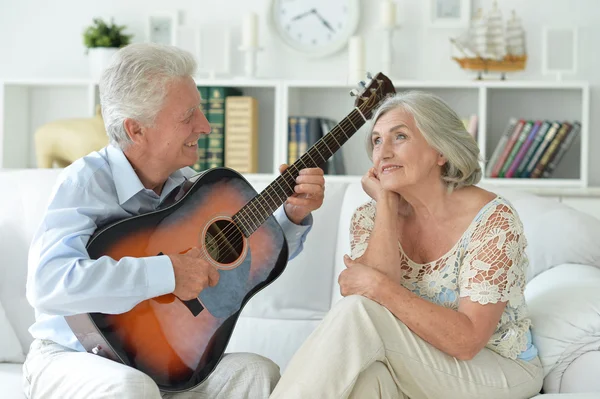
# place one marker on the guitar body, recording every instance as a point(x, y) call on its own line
point(178, 344)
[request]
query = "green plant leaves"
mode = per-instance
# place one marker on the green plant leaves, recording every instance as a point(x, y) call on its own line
point(101, 34)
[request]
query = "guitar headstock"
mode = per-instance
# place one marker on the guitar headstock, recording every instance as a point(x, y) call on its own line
point(370, 93)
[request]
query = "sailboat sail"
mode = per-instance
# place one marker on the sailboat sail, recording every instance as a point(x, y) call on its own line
point(479, 34)
point(496, 40)
point(515, 36)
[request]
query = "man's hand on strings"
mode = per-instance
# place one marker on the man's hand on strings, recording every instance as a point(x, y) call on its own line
point(308, 196)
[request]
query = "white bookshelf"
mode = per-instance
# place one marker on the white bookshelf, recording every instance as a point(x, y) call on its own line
point(25, 105)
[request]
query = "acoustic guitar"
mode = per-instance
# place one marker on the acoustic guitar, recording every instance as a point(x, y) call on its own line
point(179, 343)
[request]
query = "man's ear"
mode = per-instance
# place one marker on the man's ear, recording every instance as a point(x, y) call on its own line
point(134, 129)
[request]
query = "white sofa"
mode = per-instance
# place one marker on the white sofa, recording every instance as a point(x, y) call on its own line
point(563, 291)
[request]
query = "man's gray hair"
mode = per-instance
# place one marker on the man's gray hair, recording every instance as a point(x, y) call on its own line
point(134, 85)
point(443, 130)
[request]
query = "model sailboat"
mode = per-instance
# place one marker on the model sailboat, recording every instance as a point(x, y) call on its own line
point(490, 47)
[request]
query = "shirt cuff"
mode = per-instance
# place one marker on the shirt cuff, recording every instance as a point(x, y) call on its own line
point(160, 275)
point(287, 225)
point(295, 234)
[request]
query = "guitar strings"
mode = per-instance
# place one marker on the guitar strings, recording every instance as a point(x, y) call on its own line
point(223, 237)
point(226, 235)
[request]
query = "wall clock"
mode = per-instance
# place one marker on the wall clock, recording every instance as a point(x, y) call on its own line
point(315, 27)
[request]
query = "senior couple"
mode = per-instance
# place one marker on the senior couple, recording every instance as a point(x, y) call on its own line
point(433, 289)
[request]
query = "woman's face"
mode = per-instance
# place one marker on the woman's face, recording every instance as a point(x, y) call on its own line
point(401, 156)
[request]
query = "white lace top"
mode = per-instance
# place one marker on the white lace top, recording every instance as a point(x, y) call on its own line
point(487, 264)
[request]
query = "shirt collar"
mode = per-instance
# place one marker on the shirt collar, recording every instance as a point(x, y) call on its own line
point(127, 182)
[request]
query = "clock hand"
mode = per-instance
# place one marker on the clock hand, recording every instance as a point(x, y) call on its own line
point(323, 20)
point(304, 14)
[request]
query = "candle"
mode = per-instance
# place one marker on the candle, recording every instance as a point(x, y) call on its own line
point(250, 31)
point(356, 59)
point(387, 13)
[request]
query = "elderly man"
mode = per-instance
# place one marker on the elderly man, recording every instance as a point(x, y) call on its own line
point(150, 105)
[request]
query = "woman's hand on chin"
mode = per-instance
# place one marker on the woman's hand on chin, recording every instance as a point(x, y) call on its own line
point(372, 186)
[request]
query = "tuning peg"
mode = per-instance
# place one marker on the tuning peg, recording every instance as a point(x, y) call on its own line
point(369, 76)
point(354, 92)
point(362, 84)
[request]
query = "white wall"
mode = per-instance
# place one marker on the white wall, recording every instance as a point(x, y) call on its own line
point(43, 39)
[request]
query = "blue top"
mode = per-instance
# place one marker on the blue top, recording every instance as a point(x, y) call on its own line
point(62, 280)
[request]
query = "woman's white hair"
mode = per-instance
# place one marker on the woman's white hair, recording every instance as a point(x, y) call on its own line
point(134, 85)
point(443, 130)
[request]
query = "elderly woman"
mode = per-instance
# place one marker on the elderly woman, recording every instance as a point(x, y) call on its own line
point(433, 289)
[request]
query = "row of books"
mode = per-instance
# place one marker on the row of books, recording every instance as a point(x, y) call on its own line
point(233, 141)
point(303, 132)
point(531, 148)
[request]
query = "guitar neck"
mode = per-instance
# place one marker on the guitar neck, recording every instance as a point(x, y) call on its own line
point(259, 208)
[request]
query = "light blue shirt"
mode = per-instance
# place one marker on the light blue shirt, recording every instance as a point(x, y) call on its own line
point(62, 280)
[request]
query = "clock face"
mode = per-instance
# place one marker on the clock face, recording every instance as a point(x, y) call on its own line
point(315, 27)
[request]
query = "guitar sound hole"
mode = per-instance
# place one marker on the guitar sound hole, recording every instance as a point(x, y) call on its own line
point(224, 242)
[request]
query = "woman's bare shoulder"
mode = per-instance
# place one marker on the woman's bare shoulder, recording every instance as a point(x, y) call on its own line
point(469, 201)
point(475, 197)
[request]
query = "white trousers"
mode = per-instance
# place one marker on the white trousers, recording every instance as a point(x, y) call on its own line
point(361, 350)
point(52, 371)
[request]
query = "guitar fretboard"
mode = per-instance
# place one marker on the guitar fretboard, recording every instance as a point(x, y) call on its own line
point(259, 208)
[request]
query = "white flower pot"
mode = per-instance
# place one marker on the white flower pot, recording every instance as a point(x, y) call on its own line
point(99, 58)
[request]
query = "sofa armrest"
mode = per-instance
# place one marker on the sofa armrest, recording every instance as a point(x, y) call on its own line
point(564, 307)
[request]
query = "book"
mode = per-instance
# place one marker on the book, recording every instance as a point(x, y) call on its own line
point(541, 149)
point(215, 150)
point(303, 132)
point(539, 136)
point(241, 140)
point(512, 170)
point(335, 165)
point(292, 140)
point(512, 123)
point(201, 164)
point(564, 146)
point(516, 147)
point(551, 150)
point(507, 148)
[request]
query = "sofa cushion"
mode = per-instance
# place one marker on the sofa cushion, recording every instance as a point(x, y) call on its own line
point(22, 205)
point(276, 339)
point(11, 381)
point(564, 307)
point(582, 374)
point(10, 347)
point(354, 197)
point(556, 233)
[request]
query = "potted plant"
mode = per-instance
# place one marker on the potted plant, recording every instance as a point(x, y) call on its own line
point(102, 40)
